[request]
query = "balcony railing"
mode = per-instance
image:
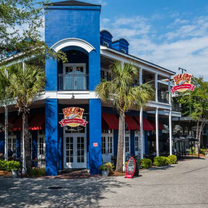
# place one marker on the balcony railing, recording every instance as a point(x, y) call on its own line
point(73, 82)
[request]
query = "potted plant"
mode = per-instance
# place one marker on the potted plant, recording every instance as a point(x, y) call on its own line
point(106, 168)
point(14, 167)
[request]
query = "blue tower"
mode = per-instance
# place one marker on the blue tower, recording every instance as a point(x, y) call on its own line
point(72, 27)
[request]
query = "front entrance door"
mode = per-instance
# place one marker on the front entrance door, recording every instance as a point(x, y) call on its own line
point(107, 147)
point(127, 146)
point(75, 151)
point(137, 143)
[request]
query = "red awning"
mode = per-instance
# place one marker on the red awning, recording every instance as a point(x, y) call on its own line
point(131, 123)
point(111, 120)
point(160, 125)
point(17, 126)
point(37, 122)
point(146, 124)
point(10, 121)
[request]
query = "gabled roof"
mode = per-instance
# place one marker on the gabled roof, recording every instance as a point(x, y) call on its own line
point(70, 3)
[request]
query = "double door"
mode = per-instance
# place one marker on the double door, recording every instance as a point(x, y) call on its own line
point(107, 147)
point(75, 151)
point(74, 77)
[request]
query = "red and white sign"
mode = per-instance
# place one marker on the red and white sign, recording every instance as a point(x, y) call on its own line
point(182, 83)
point(73, 117)
point(95, 144)
point(130, 168)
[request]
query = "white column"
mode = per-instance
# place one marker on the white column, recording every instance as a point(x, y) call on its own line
point(6, 134)
point(6, 126)
point(169, 89)
point(141, 133)
point(140, 76)
point(157, 131)
point(170, 132)
point(156, 88)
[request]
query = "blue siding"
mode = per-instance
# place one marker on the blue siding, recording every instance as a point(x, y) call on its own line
point(73, 22)
point(95, 158)
point(2, 142)
point(60, 145)
point(51, 136)
point(132, 138)
point(18, 144)
point(115, 142)
point(145, 135)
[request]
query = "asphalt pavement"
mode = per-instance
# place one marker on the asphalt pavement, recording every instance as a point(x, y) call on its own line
point(184, 185)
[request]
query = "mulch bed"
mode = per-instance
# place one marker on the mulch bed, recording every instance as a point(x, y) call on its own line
point(5, 173)
point(115, 173)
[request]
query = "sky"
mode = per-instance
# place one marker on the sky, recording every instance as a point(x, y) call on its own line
point(170, 33)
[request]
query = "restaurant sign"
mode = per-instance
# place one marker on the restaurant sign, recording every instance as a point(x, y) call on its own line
point(131, 168)
point(73, 117)
point(182, 83)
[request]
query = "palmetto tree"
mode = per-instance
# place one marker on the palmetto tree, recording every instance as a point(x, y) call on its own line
point(25, 84)
point(124, 95)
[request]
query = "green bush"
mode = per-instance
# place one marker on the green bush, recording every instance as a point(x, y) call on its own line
point(173, 159)
point(145, 163)
point(37, 172)
point(3, 164)
point(12, 165)
point(202, 151)
point(107, 166)
point(161, 161)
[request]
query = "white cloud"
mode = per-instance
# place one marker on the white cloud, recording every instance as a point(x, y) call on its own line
point(185, 46)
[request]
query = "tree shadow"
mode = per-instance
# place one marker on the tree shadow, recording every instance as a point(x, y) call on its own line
point(67, 193)
point(161, 168)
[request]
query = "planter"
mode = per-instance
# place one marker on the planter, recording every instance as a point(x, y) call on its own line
point(15, 173)
point(206, 154)
point(105, 173)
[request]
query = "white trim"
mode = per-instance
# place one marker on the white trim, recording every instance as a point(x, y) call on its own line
point(72, 42)
point(128, 58)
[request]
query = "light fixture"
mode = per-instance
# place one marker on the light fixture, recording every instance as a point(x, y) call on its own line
point(72, 97)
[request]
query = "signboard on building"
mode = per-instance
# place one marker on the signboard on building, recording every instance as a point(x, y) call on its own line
point(73, 117)
point(131, 168)
point(182, 83)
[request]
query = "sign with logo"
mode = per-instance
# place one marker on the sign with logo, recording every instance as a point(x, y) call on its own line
point(131, 168)
point(95, 144)
point(73, 117)
point(182, 83)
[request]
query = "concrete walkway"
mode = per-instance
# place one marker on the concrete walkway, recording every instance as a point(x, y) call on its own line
point(184, 185)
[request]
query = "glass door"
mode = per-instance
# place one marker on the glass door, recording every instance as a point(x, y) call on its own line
point(107, 147)
point(127, 146)
point(74, 77)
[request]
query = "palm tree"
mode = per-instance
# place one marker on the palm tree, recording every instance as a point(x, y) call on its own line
point(25, 84)
point(124, 95)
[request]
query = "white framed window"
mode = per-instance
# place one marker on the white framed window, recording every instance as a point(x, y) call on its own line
point(105, 43)
point(123, 50)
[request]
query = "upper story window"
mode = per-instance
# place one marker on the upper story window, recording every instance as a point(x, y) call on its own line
point(74, 77)
point(105, 43)
point(123, 50)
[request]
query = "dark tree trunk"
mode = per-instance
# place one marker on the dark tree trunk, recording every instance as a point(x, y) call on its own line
point(119, 164)
point(27, 142)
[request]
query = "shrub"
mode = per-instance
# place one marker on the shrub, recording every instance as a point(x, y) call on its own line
point(12, 165)
point(173, 159)
point(145, 163)
point(202, 151)
point(3, 164)
point(107, 166)
point(160, 161)
point(37, 172)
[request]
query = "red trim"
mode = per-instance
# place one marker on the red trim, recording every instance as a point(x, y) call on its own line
point(18, 124)
point(130, 175)
point(184, 87)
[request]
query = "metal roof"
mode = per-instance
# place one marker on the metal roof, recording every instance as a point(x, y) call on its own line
point(70, 3)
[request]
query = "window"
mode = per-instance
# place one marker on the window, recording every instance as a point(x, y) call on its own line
point(136, 143)
point(103, 145)
point(105, 43)
point(127, 144)
point(123, 50)
point(110, 145)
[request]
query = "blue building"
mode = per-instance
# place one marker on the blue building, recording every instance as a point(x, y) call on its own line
point(74, 27)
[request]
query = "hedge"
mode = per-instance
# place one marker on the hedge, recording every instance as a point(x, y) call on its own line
point(161, 161)
point(145, 163)
point(9, 165)
point(173, 159)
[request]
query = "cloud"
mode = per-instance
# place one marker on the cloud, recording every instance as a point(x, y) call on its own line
point(184, 45)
